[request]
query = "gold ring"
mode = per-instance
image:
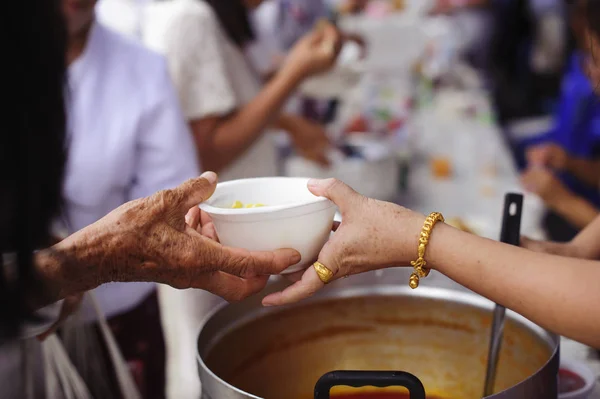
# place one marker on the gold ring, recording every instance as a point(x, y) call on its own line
point(323, 272)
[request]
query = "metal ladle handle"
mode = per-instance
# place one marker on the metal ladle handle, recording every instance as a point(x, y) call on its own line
point(510, 234)
point(379, 379)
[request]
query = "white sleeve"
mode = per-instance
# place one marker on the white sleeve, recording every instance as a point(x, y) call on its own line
point(165, 154)
point(198, 67)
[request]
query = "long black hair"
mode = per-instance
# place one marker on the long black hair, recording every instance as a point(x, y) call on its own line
point(32, 146)
point(234, 18)
point(593, 14)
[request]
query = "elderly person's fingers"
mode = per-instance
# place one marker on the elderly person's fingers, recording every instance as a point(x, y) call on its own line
point(229, 287)
point(201, 222)
point(244, 263)
point(207, 226)
point(192, 218)
point(196, 191)
point(307, 286)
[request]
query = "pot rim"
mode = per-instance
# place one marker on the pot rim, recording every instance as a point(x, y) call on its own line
point(468, 298)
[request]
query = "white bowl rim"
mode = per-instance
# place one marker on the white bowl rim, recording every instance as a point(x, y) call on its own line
point(574, 366)
point(213, 210)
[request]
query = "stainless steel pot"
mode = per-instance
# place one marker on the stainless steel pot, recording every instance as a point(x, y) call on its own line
point(372, 322)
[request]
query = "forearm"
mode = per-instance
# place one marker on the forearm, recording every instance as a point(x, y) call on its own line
point(555, 292)
point(286, 122)
point(575, 209)
point(239, 131)
point(588, 171)
point(67, 268)
point(587, 242)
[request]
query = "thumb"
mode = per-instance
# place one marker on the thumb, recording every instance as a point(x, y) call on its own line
point(198, 190)
point(338, 192)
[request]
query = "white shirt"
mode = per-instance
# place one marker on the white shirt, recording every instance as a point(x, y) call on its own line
point(127, 139)
point(212, 75)
point(267, 50)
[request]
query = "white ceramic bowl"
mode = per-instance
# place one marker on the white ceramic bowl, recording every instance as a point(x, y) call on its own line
point(292, 216)
point(584, 372)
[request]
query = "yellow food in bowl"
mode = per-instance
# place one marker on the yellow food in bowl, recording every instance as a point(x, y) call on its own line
point(240, 205)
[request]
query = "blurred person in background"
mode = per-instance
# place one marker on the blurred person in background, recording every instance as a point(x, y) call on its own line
point(230, 113)
point(294, 19)
point(494, 29)
point(375, 235)
point(475, 19)
point(563, 165)
point(128, 138)
point(569, 212)
point(529, 48)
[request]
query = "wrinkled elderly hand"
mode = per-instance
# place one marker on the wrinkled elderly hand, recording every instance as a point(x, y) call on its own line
point(372, 235)
point(148, 240)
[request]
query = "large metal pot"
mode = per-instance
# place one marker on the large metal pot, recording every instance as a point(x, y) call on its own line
point(373, 322)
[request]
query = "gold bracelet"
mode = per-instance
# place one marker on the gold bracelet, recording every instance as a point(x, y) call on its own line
point(420, 270)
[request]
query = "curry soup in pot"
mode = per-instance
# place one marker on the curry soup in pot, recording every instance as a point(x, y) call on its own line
point(282, 353)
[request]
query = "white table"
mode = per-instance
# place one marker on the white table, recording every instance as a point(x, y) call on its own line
point(483, 170)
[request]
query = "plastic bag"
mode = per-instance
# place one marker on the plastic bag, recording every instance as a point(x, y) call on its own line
point(63, 380)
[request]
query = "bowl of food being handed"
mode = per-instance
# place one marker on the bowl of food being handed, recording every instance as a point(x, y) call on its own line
point(266, 214)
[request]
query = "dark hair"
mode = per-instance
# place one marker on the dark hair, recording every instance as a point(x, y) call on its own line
point(234, 19)
point(593, 15)
point(32, 147)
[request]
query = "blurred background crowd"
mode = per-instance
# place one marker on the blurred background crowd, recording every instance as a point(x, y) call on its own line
point(441, 104)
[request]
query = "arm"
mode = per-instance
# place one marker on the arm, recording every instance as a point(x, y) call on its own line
point(67, 268)
point(587, 242)
point(555, 157)
point(310, 139)
point(585, 245)
point(588, 171)
point(556, 292)
point(221, 140)
point(148, 240)
point(223, 133)
point(575, 209)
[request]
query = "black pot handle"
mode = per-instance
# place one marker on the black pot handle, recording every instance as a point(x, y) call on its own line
point(379, 379)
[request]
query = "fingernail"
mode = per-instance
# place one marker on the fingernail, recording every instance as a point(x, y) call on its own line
point(295, 258)
point(312, 183)
point(267, 305)
point(210, 176)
